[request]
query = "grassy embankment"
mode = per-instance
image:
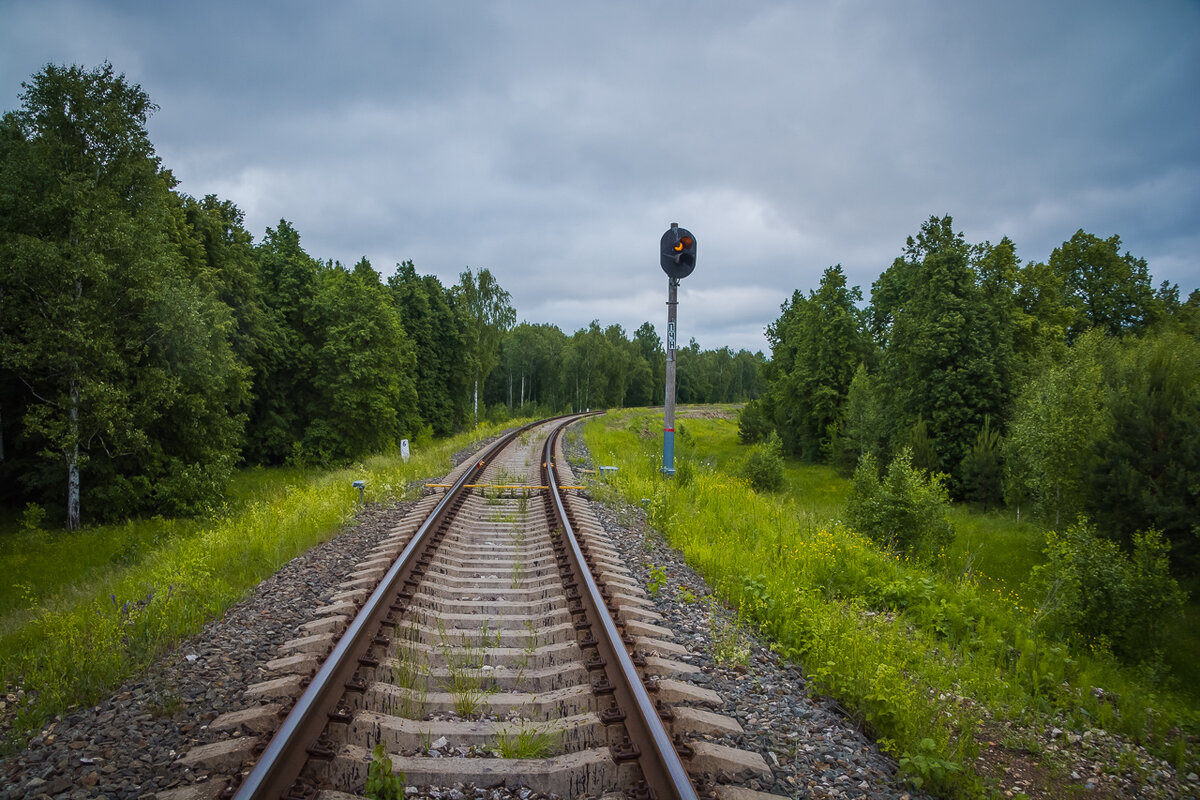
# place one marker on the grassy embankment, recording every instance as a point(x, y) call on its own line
point(80, 612)
point(935, 658)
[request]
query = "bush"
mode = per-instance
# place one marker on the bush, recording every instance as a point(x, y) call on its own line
point(906, 511)
point(754, 425)
point(764, 466)
point(1095, 590)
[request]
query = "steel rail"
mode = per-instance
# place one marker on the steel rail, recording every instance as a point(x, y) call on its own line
point(283, 759)
point(662, 769)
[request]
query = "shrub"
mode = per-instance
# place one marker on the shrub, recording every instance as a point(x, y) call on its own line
point(906, 511)
point(1095, 590)
point(764, 466)
point(754, 425)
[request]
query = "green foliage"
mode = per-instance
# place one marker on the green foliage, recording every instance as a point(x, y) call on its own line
point(730, 645)
point(362, 365)
point(443, 376)
point(531, 367)
point(382, 784)
point(947, 350)
point(916, 440)
point(716, 376)
point(1050, 453)
point(982, 470)
point(763, 468)
point(526, 742)
point(658, 579)
point(927, 765)
point(865, 426)
point(1112, 600)
point(1151, 453)
point(31, 518)
point(115, 339)
point(650, 348)
point(816, 345)
point(906, 511)
point(1106, 290)
point(754, 425)
point(1043, 317)
point(485, 307)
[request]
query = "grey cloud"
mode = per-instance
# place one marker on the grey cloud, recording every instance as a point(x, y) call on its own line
point(552, 143)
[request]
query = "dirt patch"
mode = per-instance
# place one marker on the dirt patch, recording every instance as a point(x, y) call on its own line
point(1052, 764)
point(709, 412)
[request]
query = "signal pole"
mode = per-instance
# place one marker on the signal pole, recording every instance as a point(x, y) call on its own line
point(677, 257)
point(669, 417)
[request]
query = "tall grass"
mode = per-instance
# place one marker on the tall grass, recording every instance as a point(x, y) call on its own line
point(76, 640)
point(924, 653)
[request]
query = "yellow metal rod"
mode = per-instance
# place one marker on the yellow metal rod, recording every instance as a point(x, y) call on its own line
point(496, 486)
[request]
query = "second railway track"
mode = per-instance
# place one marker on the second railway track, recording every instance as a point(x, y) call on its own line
point(484, 640)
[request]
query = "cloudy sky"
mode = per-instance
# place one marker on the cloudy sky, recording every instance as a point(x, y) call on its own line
point(553, 142)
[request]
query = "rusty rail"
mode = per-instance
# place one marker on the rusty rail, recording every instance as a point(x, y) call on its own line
point(284, 757)
point(662, 769)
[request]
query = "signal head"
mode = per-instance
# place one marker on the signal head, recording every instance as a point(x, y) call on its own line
point(677, 255)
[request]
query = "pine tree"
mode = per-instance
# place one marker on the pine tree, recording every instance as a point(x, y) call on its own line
point(946, 349)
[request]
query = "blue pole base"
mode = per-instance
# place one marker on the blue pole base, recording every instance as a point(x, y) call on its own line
point(668, 466)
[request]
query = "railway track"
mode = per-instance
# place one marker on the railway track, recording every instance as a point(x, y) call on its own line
point(494, 639)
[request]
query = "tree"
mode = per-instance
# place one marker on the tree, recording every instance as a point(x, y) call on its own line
point(285, 389)
point(1043, 318)
point(982, 470)
point(127, 387)
point(826, 340)
point(489, 313)
point(1107, 290)
point(583, 367)
point(363, 366)
point(865, 427)
point(693, 382)
point(650, 347)
point(438, 335)
point(1148, 465)
point(223, 253)
point(1123, 599)
point(945, 351)
point(1051, 449)
point(617, 366)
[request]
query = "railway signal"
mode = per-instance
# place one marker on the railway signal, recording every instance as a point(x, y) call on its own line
point(677, 257)
point(677, 252)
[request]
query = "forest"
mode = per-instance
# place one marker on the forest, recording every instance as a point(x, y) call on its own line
point(1067, 389)
point(149, 346)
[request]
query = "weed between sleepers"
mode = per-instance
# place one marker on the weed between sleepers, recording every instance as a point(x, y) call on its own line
point(526, 742)
point(468, 682)
point(411, 672)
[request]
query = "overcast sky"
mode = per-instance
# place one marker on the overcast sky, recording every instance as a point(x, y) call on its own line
point(553, 142)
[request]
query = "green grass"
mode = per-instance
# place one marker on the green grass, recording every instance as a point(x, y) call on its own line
point(98, 605)
point(64, 567)
point(999, 551)
point(925, 653)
